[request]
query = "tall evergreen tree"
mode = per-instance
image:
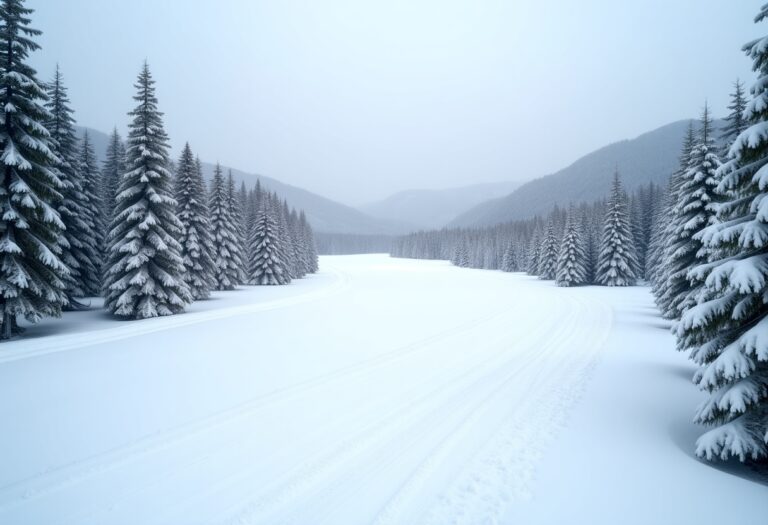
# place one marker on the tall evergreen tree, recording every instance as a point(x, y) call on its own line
point(266, 266)
point(616, 261)
point(91, 218)
point(78, 252)
point(192, 211)
point(571, 261)
point(111, 171)
point(727, 330)
point(145, 271)
point(226, 244)
point(534, 251)
point(309, 243)
point(32, 274)
point(550, 247)
point(237, 214)
point(693, 211)
point(735, 122)
point(663, 294)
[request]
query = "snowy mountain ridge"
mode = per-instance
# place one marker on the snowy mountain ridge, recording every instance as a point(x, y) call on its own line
point(650, 157)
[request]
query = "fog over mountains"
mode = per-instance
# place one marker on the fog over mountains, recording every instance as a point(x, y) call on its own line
point(650, 157)
point(325, 215)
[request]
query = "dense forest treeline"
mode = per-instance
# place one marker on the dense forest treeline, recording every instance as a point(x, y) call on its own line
point(141, 230)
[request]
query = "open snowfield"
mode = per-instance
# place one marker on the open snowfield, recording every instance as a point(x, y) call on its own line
point(379, 391)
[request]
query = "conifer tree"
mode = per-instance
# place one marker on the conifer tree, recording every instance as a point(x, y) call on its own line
point(91, 218)
point(145, 271)
point(693, 211)
point(236, 213)
point(266, 266)
point(616, 261)
point(195, 240)
point(727, 330)
point(32, 273)
point(78, 252)
point(534, 249)
point(548, 254)
point(226, 243)
point(667, 229)
point(111, 171)
point(571, 261)
point(509, 262)
point(309, 243)
point(735, 122)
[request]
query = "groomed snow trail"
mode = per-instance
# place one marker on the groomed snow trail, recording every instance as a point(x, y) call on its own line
point(379, 391)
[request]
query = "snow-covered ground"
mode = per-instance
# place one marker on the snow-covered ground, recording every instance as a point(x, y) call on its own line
point(378, 391)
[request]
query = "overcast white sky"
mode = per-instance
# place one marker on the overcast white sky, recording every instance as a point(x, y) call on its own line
point(357, 99)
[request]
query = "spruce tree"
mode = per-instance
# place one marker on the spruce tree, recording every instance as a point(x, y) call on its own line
point(616, 261)
point(572, 259)
point(309, 243)
point(534, 250)
point(727, 330)
point(236, 212)
point(693, 211)
point(548, 254)
point(195, 240)
point(226, 243)
point(145, 271)
point(91, 218)
point(32, 273)
point(668, 227)
point(266, 266)
point(111, 171)
point(509, 261)
point(735, 122)
point(78, 251)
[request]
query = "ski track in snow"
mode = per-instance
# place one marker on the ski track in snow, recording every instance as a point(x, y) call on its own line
point(457, 443)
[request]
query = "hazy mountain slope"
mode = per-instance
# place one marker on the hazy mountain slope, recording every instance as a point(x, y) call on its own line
point(651, 157)
point(324, 214)
point(435, 208)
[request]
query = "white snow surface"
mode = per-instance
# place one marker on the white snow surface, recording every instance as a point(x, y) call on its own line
point(381, 391)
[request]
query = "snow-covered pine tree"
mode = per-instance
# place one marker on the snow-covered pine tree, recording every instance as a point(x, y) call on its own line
point(571, 261)
point(91, 218)
point(509, 262)
point(309, 243)
point(693, 211)
point(111, 171)
point(225, 237)
point(78, 251)
point(589, 241)
point(461, 255)
point(616, 261)
point(735, 122)
point(727, 330)
point(145, 271)
point(667, 228)
point(266, 266)
point(548, 254)
point(32, 274)
point(534, 250)
point(236, 213)
point(287, 241)
point(195, 239)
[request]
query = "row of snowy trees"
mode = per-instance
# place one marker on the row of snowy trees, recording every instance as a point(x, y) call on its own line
point(149, 237)
point(714, 278)
point(602, 243)
point(702, 244)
